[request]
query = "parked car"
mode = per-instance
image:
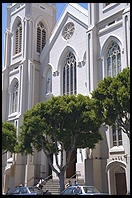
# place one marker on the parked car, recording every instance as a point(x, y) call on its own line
point(31, 190)
point(82, 190)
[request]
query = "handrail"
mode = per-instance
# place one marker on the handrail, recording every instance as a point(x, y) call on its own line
point(72, 176)
point(30, 179)
point(47, 177)
point(76, 174)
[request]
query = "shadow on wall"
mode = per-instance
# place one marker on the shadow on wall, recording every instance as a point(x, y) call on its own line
point(95, 167)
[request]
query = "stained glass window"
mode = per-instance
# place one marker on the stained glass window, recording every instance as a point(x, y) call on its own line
point(69, 75)
point(68, 31)
point(113, 59)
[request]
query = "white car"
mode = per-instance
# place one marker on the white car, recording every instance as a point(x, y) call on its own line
point(82, 190)
point(31, 190)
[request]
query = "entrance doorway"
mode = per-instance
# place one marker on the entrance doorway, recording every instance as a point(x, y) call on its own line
point(120, 183)
point(50, 169)
point(117, 178)
point(71, 170)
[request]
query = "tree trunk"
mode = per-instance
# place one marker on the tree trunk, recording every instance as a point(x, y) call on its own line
point(61, 180)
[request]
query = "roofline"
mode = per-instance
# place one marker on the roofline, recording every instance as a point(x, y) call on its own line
point(66, 13)
point(80, 8)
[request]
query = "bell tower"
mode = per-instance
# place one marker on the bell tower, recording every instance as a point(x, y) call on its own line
point(29, 15)
point(29, 26)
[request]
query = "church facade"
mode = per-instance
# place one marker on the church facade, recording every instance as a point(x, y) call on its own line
point(42, 59)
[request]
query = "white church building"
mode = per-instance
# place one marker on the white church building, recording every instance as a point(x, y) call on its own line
point(42, 59)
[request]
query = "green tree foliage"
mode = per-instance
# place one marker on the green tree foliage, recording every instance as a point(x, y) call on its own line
point(61, 123)
point(9, 139)
point(113, 96)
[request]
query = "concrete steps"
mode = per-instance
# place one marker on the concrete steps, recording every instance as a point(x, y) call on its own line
point(53, 186)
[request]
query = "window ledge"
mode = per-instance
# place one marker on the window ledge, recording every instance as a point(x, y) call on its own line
point(109, 27)
point(17, 55)
point(10, 160)
point(109, 7)
point(117, 149)
point(49, 94)
point(13, 115)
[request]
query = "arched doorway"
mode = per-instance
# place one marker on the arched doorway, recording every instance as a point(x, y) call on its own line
point(71, 170)
point(117, 178)
point(120, 178)
point(50, 169)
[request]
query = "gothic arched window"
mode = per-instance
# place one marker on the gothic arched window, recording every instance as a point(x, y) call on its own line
point(69, 75)
point(49, 82)
point(113, 59)
point(14, 98)
point(41, 36)
point(117, 136)
point(18, 38)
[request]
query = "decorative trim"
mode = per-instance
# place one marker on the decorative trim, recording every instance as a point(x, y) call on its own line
point(109, 28)
point(109, 7)
point(116, 149)
point(56, 73)
point(81, 63)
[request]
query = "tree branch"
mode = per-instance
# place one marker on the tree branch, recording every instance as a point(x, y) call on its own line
point(62, 150)
point(56, 153)
point(50, 162)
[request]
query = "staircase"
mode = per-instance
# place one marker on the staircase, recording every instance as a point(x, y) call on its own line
point(53, 186)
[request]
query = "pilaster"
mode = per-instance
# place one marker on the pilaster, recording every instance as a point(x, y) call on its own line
point(7, 48)
point(126, 34)
point(80, 165)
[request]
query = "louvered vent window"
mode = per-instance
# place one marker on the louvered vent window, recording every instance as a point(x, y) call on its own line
point(41, 37)
point(18, 46)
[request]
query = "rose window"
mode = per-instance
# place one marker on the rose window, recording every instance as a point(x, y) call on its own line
point(68, 30)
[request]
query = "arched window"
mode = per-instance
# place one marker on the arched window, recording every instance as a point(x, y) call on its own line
point(113, 59)
point(49, 82)
point(69, 75)
point(18, 38)
point(14, 98)
point(41, 36)
point(117, 136)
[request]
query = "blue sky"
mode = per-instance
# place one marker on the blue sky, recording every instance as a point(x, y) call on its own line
point(60, 8)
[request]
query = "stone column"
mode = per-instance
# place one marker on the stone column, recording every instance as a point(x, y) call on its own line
point(26, 171)
point(109, 186)
point(80, 165)
point(7, 48)
point(128, 172)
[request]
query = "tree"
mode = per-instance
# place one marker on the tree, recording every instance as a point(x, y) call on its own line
point(9, 139)
point(62, 123)
point(113, 96)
